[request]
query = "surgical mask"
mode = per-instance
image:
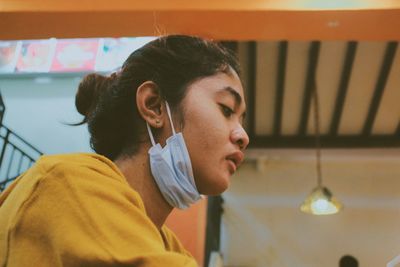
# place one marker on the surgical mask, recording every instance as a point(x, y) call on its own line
point(172, 169)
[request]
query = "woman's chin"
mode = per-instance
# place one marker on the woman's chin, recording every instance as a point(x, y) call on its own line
point(216, 187)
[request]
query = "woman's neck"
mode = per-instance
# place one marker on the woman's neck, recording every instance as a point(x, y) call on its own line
point(136, 170)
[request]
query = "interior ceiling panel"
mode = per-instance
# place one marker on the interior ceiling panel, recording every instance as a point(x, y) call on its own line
point(295, 74)
point(358, 85)
point(267, 53)
point(330, 64)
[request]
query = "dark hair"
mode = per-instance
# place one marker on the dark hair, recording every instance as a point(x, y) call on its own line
point(348, 261)
point(171, 62)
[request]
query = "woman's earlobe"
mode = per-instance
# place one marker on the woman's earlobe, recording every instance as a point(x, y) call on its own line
point(158, 123)
point(155, 123)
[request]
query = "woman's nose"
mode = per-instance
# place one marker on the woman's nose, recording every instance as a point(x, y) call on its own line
point(240, 137)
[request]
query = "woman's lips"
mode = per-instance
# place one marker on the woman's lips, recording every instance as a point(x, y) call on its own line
point(232, 166)
point(235, 159)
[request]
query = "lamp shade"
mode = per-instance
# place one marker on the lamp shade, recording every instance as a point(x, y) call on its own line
point(321, 202)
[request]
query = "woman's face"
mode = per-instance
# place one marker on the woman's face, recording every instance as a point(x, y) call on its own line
point(213, 113)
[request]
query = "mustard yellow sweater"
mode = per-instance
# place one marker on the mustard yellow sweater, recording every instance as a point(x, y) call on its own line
point(78, 210)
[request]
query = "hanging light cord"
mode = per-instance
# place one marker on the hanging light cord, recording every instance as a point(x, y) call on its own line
point(317, 133)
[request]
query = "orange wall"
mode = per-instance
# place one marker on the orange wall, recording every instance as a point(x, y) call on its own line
point(190, 227)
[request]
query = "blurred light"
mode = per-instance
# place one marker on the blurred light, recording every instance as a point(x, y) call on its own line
point(43, 80)
point(321, 202)
point(337, 4)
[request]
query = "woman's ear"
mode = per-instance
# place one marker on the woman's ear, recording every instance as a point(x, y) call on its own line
point(149, 104)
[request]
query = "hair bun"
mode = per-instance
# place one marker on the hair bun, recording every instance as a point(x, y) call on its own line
point(89, 91)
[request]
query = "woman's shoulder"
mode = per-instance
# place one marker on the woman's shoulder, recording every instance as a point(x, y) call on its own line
point(83, 173)
point(82, 176)
point(67, 162)
point(75, 168)
point(172, 242)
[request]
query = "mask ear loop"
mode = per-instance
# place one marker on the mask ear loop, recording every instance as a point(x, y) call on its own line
point(150, 134)
point(170, 117)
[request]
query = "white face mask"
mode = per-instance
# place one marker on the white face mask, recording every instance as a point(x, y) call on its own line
point(172, 169)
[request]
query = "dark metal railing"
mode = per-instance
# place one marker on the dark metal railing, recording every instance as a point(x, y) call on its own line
point(16, 156)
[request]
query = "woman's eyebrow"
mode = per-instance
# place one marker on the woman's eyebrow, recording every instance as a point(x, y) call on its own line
point(232, 92)
point(236, 96)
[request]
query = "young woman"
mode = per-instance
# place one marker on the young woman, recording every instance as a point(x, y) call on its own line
point(165, 129)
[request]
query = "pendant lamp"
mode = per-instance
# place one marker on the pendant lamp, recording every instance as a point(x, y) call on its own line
point(320, 201)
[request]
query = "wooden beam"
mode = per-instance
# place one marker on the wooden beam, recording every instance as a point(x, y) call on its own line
point(280, 87)
point(225, 20)
point(380, 87)
point(309, 87)
point(397, 133)
point(343, 86)
point(251, 87)
point(327, 141)
point(118, 5)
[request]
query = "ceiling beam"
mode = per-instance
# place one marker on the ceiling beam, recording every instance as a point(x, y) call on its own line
point(118, 5)
point(380, 87)
point(251, 87)
point(222, 20)
point(280, 87)
point(397, 133)
point(327, 141)
point(376, 155)
point(309, 86)
point(343, 86)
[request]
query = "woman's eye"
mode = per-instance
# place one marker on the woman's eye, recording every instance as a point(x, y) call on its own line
point(227, 111)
